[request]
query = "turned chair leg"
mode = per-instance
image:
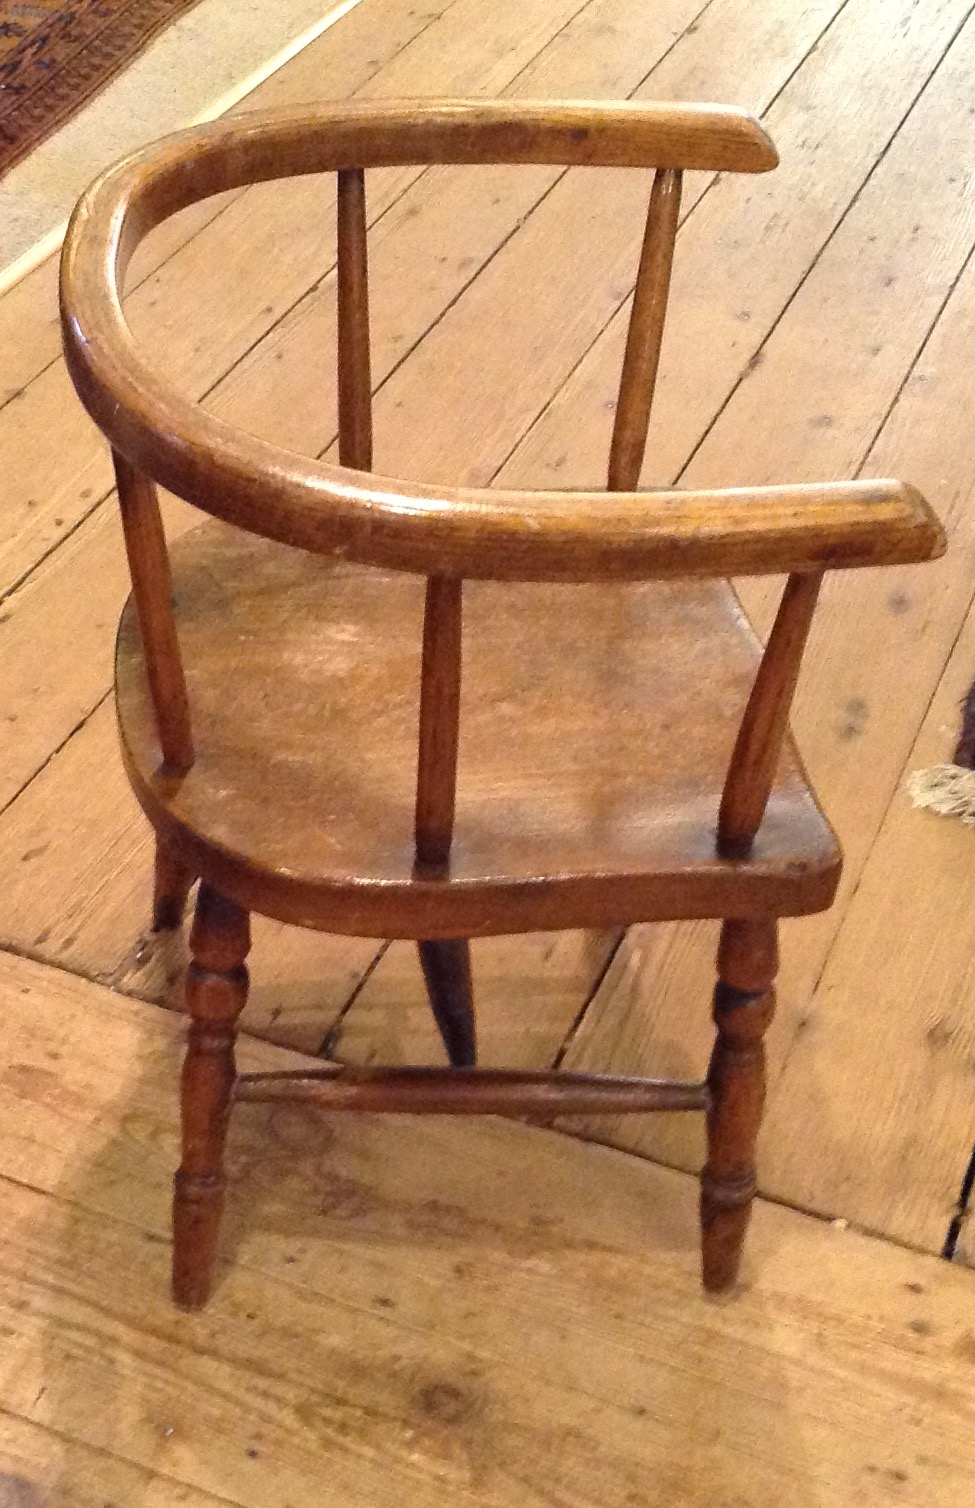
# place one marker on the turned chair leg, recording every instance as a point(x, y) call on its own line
point(744, 1002)
point(447, 972)
point(216, 990)
point(171, 887)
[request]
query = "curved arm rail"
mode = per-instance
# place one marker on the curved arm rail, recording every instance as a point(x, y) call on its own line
point(513, 535)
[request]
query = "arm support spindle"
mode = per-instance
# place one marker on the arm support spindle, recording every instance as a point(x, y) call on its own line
point(645, 333)
point(152, 591)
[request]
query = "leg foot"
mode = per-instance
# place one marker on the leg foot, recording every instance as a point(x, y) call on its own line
point(744, 1002)
point(216, 991)
point(447, 971)
point(171, 887)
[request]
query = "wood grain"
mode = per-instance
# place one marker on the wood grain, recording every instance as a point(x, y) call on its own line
point(77, 853)
point(872, 59)
point(438, 737)
point(529, 990)
point(514, 536)
point(463, 1089)
point(352, 335)
point(563, 819)
point(604, 44)
point(476, 1295)
point(342, 61)
point(209, 302)
point(43, 1468)
point(870, 63)
point(436, 240)
point(645, 333)
point(202, 812)
point(892, 1010)
point(152, 598)
point(855, 713)
point(40, 634)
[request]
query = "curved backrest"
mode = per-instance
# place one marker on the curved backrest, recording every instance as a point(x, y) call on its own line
point(446, 534)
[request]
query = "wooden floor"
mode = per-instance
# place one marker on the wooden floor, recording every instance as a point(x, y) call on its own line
point(466, 1313)
point(393, 1322)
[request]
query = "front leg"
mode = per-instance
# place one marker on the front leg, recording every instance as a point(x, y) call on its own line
point(216, 992)
point(744, 1002)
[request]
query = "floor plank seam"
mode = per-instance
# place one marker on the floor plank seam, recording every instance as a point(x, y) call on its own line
point(882, 425)
point(962, 1212)
point(895, 795)
point(482, 266)
point(78, 726)
point(924, 711)
point(223, 209)
point(208, 392)
point(85, 1441)
point(226, 1264)
point(556, 1129)
point(31, 955)
point(26, 576)
point(29, 572)
point(817, 257)
point(331, 1041)
point(591, 994)
point(685, 216)
point(842, 1222)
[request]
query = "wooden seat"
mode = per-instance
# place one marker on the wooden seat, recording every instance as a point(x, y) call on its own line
point(304, 679)
point(368, 705)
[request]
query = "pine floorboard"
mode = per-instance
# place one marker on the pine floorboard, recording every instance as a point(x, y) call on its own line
point(429, 1313)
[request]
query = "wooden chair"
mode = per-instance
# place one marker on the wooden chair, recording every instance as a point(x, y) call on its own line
point(289, 687)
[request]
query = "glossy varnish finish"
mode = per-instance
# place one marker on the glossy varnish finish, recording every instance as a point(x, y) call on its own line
point(597, 727)
point(562, 765)
point(642, 355)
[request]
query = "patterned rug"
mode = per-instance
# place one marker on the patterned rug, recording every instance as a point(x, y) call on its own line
point(55, 54)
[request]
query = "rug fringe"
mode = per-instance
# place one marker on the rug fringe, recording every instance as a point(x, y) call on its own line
point(948, 789)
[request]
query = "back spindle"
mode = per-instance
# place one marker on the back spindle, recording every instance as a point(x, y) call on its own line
point(436, 783)
point(642, 355)
point(152, 592)
point(354, 373)
point(760, 737)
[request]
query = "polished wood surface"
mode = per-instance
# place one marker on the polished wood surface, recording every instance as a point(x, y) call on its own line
point(439, 723)
point(383, 521)
point(352, 324)
point(458, 1091)
point(882, 1146)
point(152, 595)
point(751, 772)
point(744, 1003)
point(584, 849)
point(216, 992)
point(578, 801)
point(641, 357)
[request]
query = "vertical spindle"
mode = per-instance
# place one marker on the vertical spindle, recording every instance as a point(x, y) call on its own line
point(759, 743)
point(354, 366)
point(436, 785)
point(152, 592)
point(645, 333)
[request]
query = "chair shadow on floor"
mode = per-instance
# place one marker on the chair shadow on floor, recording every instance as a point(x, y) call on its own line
point(447, 1311)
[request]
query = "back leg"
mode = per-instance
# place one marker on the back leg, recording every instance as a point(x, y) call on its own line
point(447, 972)
point(171, 886)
